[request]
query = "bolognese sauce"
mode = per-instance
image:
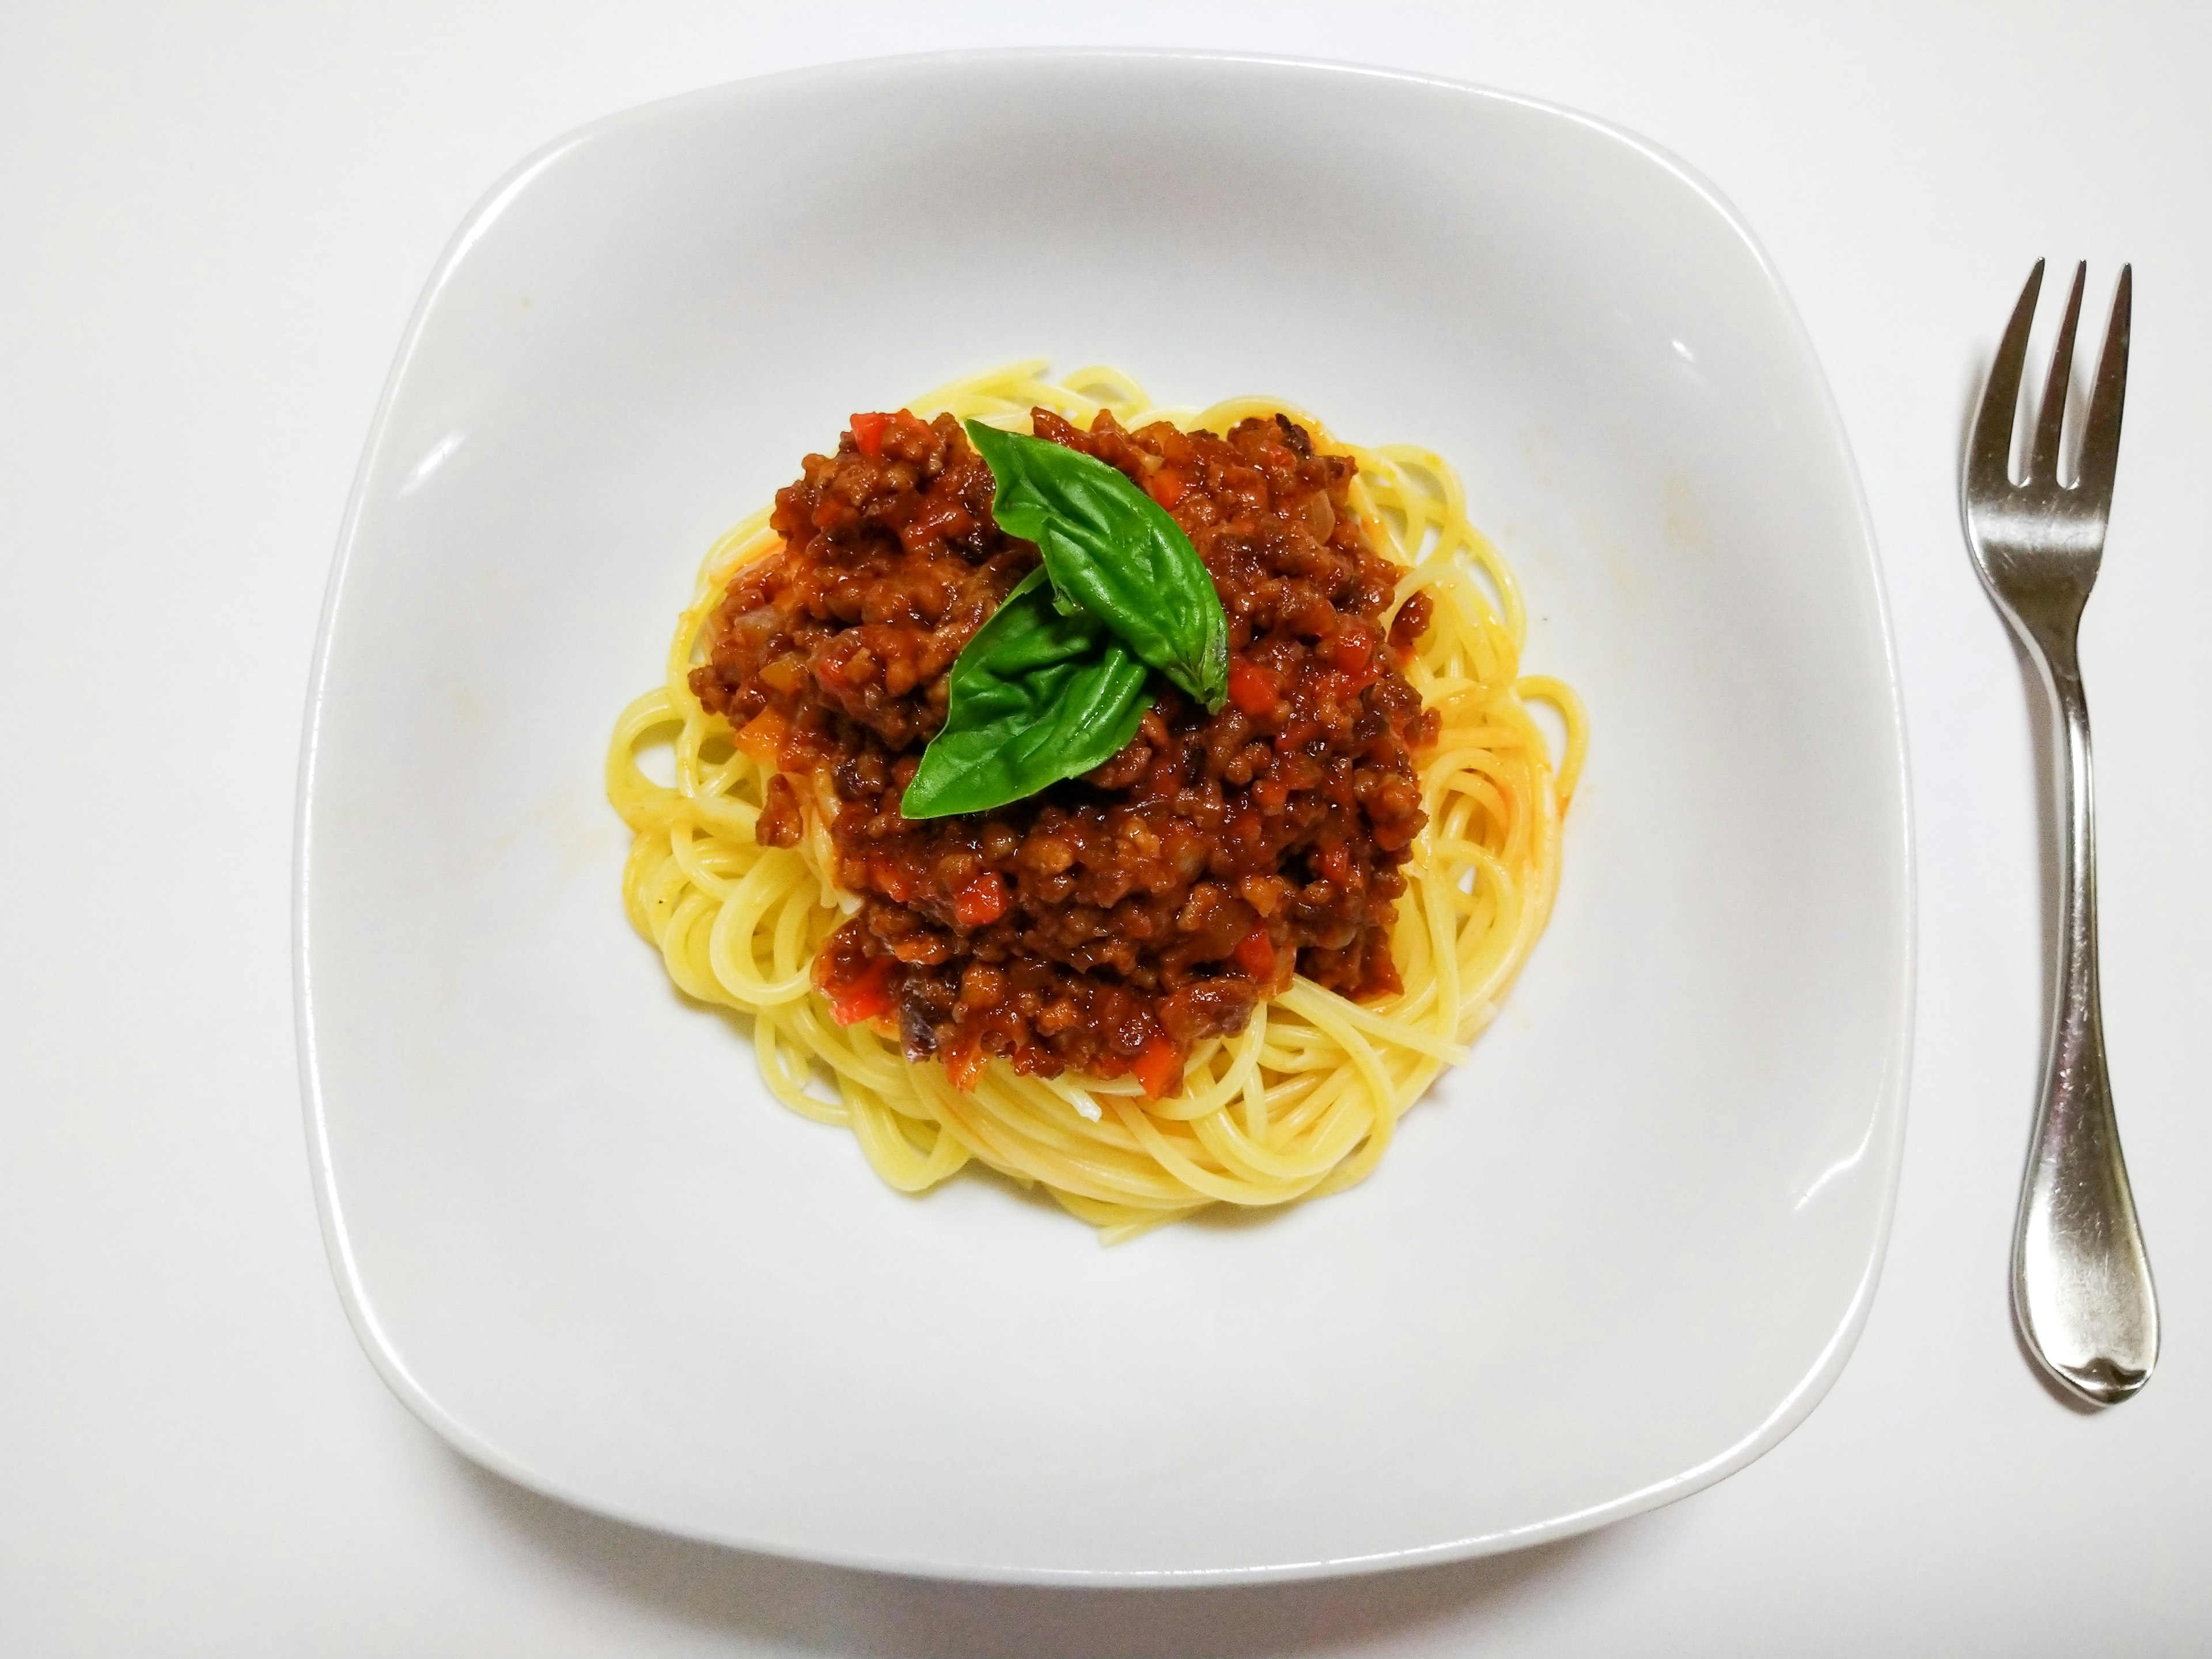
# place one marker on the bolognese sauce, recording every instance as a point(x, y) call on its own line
point(1110, 922)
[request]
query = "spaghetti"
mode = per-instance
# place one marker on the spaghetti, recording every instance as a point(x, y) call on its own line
point(1304, 1099)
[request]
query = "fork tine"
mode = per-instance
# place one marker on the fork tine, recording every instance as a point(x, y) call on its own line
point(2100, 434)
point(1989, 450)
point(2043, 459)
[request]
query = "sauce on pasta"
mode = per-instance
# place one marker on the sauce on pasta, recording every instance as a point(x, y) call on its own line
point(1109, 923)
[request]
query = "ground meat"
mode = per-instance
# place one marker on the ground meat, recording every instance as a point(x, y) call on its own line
point(1111, 922)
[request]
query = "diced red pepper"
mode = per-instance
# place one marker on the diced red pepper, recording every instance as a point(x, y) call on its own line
point(1167, 487)
point(866, 997)
point(1351, 649)
point(1158, 1067)
point(868, 432)
point(1256, 954)
point(981, 899)
point(1251, 688)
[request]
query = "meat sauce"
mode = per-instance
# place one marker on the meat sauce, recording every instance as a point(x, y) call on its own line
point(1109, 923)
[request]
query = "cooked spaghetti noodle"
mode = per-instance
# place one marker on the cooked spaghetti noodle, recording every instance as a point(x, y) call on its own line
point(1305, 1098)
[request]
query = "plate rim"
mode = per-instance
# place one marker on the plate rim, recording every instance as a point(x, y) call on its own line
point(1890, 1108)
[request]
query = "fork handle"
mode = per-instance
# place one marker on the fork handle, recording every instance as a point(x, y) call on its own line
point(2081, 1284)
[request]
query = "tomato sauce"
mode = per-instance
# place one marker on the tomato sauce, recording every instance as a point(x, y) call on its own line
point(1110, 922)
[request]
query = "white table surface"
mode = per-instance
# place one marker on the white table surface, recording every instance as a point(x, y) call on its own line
point(213, 222)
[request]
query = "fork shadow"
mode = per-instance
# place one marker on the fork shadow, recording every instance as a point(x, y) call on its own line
point(801, 1607)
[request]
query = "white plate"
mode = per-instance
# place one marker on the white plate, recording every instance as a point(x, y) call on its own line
point(1618, 1254)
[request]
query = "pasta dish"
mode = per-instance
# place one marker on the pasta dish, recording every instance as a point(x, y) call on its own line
point(1144, 804)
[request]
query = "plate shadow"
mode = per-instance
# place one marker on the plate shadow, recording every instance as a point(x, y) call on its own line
point(808, 1607)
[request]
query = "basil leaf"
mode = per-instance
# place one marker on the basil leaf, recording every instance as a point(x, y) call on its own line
point(1036, 696)
point(1113, 550)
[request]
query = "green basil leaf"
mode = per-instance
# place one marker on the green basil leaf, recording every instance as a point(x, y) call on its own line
point(1036, 696)
point(1113, 550)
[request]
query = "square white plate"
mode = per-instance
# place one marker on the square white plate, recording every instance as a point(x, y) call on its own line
point(1618, 1254)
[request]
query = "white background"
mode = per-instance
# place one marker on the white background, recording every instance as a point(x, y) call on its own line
point(214, 221)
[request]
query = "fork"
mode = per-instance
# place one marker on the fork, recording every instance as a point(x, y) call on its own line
point(2081, 1282)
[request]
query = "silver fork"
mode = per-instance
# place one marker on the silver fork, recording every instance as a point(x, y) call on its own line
point(2081, 1281)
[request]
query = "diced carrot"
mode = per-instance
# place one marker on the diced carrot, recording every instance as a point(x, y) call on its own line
point(1336, 863)
point(981, 900)
point(1251, 688)
point(1256, 954)
point(868, 432)
point(761, 737)
point(1167, 487)
point(866, 997)
point(891, 881)
point(1158, 1067)
point(786, 673)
